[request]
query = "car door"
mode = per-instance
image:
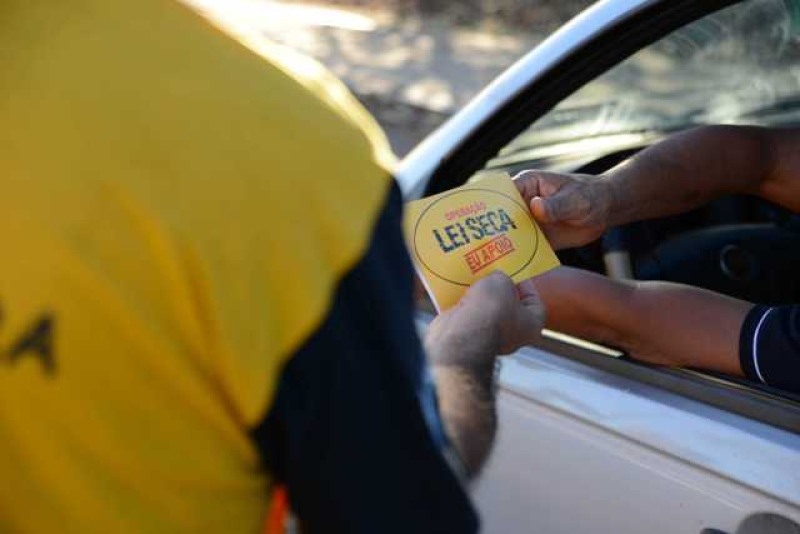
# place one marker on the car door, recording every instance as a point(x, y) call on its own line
point(590, 441)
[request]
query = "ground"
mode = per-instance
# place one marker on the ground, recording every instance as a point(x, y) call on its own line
point(411, 62)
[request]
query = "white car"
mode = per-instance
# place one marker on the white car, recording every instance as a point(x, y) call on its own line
point(590, 441)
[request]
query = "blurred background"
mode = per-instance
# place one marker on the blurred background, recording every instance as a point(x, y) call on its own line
point(412, 63)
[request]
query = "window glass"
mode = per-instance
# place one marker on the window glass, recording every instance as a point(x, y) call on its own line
point(738, 65)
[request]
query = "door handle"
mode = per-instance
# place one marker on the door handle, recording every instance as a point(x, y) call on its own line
point(762, 523)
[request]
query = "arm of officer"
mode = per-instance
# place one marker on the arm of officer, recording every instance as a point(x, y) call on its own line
point(358, 432)
point(492, 318)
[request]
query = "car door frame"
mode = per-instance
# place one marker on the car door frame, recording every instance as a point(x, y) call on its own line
point(599, 38)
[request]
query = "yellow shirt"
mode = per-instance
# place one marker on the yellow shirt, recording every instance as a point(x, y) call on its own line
point(176, 209)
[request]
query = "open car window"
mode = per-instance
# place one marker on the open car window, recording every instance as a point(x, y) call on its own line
point(738, 65)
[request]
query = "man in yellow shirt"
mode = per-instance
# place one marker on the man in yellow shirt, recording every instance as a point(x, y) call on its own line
point(204, 292)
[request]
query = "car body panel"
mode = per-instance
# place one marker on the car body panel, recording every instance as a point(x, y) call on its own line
point(747, 452)
point(581, 450)
point(573, 476)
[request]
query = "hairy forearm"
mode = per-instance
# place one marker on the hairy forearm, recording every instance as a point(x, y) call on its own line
point(689, 169)
point(495, 316)
point(466, 396)
point(663, 323)
point(467, 406)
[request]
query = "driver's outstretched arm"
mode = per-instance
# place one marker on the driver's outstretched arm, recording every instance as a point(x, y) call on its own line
point(691, 168)
point(657, 322)
point(676, 175)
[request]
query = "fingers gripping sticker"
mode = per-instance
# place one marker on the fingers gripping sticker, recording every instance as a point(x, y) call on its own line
point(459, 236)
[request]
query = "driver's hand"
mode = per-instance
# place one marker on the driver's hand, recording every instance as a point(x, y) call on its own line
point(493, 317)
point(571, 209)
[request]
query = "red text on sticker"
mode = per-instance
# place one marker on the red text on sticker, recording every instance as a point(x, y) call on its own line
point(489, 253)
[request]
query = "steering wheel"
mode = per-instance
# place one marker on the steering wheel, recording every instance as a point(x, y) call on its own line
point(755, 262)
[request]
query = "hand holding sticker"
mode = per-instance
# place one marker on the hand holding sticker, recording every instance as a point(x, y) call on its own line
point(462, 235)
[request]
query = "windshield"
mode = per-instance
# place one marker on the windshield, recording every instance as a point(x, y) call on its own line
point(736, 65)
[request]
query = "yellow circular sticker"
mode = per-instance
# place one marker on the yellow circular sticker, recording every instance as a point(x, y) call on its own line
point(469, 233)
